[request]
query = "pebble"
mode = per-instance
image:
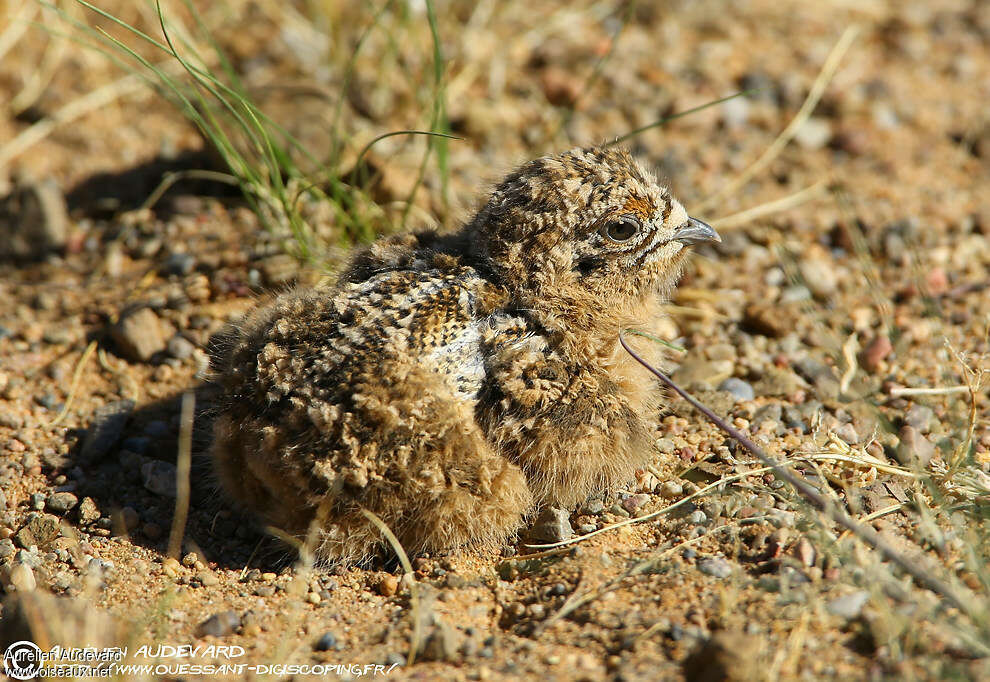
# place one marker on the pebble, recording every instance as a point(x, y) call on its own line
point(279, 269)
point(728, 656)
point(37, 501)
point(208, 578)
point(396, 659)
point(553, 525)
point(159, 477)
point(820, 277)
point(326, 642)
point(388, 585)
point(846, 432)
point(61, 503)
point(39, 531)
point(848, 606)
point(698, 517)
point(814, 133)
point(820, 375)
point(180, 348)
point(593, 507)
point(793, 419)
point(671, 490)
point(105, 430)
point(171, 567)
point(875, 353)
point(441, 645)
point(920, 417)
point(716, 567)
point(804, 552)
point(130, 518)
point(7, 549)
point(88, 511)
point(618, 510)
point(795, 294)
point(696, 371)
point(21, 578)
point(763, 319)
point(632, 503)
point(139, 334)
point(179, 264)
point(34, 220)
point(219, 624)
point(914, 448)
point(740, 390)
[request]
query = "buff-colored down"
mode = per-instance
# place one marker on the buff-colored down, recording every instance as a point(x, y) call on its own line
point(454, 384)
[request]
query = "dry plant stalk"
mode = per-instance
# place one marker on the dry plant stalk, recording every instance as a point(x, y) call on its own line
point(963, 600)
point(811, 101)
point(183, 466)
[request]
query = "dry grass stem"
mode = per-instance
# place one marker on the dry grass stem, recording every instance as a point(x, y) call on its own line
point(785, 203)
point(958, 597)
point(414, 600)
point(811, 101)
point(74, 384)
point(183, 466)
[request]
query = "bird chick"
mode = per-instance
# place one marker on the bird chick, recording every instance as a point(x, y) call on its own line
point(454, 384)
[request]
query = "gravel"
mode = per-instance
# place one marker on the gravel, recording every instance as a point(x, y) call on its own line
point(740, 390)
point(61, 503)
point(326, 642)
point(139, 334)
point(671, 490)
point(219, 624)
point(552, 525)
point(920, 417)
point(159, 477)
point(34, 220)
point(848, 606)
point(716, 567)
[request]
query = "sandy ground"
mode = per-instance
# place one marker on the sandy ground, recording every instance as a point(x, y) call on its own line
point(803, 327)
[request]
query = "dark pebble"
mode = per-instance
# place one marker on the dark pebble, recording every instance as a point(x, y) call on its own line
point(740, 390)
point(219, 624)
point(326, 642)
point(179, 264)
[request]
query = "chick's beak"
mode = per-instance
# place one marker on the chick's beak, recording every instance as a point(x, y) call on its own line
point(695, 231)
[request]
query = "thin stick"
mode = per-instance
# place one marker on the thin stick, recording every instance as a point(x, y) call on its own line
point(653, 515)
point(414, 601)
point(811, 101)
point(898, 392)
point(189, 174)
point(686, 112)
point(777, 205)
point(964, 601)
point(76, 374)
point(183, 465)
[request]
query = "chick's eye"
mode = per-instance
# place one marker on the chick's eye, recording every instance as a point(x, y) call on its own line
point(622, 230)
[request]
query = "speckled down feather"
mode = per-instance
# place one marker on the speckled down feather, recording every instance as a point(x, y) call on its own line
point(454, 384)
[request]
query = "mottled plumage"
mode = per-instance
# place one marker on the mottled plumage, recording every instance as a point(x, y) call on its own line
point(454, 384)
